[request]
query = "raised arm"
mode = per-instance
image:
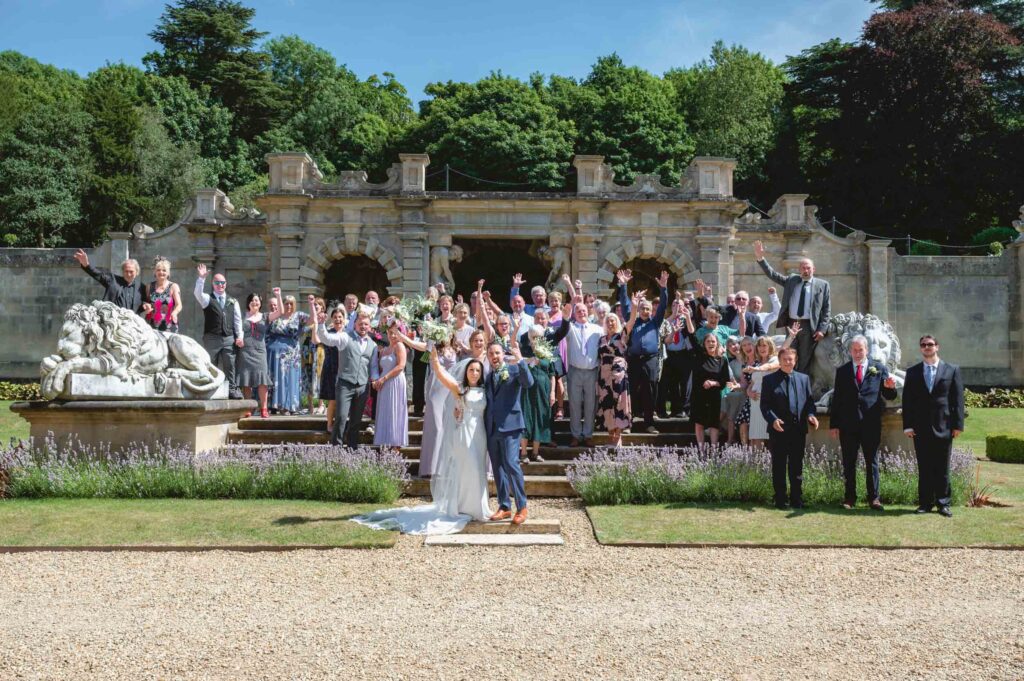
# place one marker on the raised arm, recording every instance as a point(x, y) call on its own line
point(517, 282)
point(562, 331)
point(271, 316)
point(418, 346)
point(441, 375)
point(791, 333)
point(765, 267)
point(202, 297)
point(633, 311)
point(485, 319)
point(659, 314)
point(624, 276)
point(571, 290)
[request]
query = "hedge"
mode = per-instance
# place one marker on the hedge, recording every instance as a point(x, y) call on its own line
point(19, 391)
point(1005, 447)
point(999, 398)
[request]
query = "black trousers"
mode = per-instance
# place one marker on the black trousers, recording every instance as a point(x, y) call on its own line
point(787, 450)
point(674, 386)
point(933, 488)
point(804, 345)
point(866, 439)
point(643, 385)
point(419, 380)
point(348, 412)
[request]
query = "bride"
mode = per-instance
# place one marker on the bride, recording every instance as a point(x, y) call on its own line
point(459, 483)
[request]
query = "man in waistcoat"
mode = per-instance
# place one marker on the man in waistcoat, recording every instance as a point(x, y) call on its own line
point(222, 326)
point(356, 350)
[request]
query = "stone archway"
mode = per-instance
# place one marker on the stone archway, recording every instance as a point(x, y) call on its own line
point(354, 274)
point(677, 262)
point(313, 273)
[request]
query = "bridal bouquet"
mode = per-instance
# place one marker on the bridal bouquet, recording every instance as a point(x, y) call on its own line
point(542, 349)
point(435, 331)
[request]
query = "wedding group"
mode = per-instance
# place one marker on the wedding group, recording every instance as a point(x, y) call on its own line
point(488, 381)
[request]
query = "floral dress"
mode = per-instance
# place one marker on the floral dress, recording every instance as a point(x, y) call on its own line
point(284, 359)
point(613, 384)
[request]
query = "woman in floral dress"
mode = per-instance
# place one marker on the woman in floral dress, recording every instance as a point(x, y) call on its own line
point(284, 357)
point(613, 382)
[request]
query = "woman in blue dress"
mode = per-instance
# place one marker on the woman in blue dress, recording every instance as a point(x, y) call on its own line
point(284, 357)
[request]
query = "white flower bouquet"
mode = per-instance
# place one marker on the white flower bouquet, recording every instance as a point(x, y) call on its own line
point(542, 349)
point(438, 332)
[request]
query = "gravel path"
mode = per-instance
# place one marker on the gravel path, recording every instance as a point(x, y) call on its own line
point(580, 611)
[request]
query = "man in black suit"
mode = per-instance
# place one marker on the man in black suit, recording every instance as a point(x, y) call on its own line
point(731, 316)
point(933, 415)
point(861, 388)
point(805, 299)
point(787, 406)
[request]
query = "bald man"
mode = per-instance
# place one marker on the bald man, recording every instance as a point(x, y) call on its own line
point(805, 299)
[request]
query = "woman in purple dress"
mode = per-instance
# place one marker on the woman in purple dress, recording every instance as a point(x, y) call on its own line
point(388, 376)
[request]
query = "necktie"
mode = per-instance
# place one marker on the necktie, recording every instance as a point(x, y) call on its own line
point(860, 374)
point(803, 299)
point(929, 376)
point(790, 396)
point(220, 299)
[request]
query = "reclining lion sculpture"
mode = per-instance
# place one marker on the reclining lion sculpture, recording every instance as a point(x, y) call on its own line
point(107, 340)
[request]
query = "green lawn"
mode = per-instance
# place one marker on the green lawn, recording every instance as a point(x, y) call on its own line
point(11, 425)
point(980, 422)
point(180, 522)
point(749, 524)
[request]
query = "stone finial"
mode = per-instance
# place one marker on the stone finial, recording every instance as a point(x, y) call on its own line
point(414, 172)
point(709, 176)
point(291, 171)
point(789, 210)
point(591, 174)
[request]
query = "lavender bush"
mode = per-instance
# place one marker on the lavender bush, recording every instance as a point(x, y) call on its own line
point(655, 475)
point(315, 472)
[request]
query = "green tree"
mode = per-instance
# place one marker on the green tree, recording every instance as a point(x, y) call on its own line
point(909, 117)
point(732, 106)
point(496, 129)
point(212, 44)
point(43, 163)
point(27, 83)
point(629, 116)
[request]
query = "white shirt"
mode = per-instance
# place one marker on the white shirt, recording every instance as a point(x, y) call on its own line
point(204, 301)
point(582, 343)
point(768, 319)
point(521, 323)
point(794, 302)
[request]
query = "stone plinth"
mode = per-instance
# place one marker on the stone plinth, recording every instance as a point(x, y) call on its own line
point(95, 387)
point(892, 432)
point(198, 424)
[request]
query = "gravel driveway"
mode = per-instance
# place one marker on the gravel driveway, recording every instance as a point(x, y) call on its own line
point(575, 612)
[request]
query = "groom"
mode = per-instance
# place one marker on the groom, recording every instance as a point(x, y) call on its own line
point(504, 420)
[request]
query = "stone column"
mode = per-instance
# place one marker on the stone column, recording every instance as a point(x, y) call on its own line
point(585, 246)
point(1015, 252)
point(415, 248)
point(414, 172)
point(878, 277)
point(119, 250)
point(289, 245)
point(716, 258)
point(591, 174)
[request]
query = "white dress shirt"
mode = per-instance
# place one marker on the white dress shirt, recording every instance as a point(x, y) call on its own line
point(582, 343)
point(204, 300)
point(768, 319)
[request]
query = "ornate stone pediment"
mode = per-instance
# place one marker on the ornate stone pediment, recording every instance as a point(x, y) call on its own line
point(788, 212)
point(356, 181)
point(213, 206)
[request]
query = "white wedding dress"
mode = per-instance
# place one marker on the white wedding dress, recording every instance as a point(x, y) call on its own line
point(459, 484)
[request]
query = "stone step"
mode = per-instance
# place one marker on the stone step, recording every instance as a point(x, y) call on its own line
point(513, 539)
point(559, 426)
point(549, 453)
point(277, 437)
point(531, 526)
point(536, 486)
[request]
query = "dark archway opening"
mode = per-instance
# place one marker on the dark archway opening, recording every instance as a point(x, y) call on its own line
point(355, 274)
point(645, 277)
point(496, 261)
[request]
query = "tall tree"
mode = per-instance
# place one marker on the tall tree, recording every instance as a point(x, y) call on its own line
point(212, 44)
point(27, 83)
point(903, 131)
point(629, 116)
point(496, 129)
point(43, 163)
point(732, 106)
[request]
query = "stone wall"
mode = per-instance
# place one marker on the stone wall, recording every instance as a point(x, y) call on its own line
point(696, 229)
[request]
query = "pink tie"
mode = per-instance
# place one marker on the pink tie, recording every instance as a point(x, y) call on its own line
point(860, 374)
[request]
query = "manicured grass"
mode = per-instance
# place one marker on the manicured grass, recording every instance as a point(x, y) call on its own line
point(11, 425)
point(981, 422)
point(749, 524)
point(181, 522)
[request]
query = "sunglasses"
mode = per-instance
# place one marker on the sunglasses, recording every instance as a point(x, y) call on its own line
point(220, 283)
point(928, 345)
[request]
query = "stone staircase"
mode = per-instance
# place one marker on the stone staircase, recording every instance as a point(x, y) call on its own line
point(543, 479)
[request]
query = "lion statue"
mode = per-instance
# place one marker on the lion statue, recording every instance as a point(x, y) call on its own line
point(833, 351)
point(105, 339)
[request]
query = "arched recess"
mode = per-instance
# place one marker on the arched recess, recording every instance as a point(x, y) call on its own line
point(314, 270)
point(675, 260)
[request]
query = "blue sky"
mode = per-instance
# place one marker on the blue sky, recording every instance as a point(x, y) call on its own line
point(453, 39)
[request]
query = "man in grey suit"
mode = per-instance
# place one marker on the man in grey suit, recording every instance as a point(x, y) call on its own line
point(356, 350)
point(805, 299)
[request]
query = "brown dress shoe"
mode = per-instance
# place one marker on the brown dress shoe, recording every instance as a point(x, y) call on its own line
point(520, 517)
point(501, 514)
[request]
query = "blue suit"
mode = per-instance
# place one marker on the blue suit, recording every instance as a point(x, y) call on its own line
point(504, 421)
point(787, 398)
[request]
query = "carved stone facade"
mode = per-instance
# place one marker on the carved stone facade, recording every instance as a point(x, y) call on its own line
point(306, 230)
